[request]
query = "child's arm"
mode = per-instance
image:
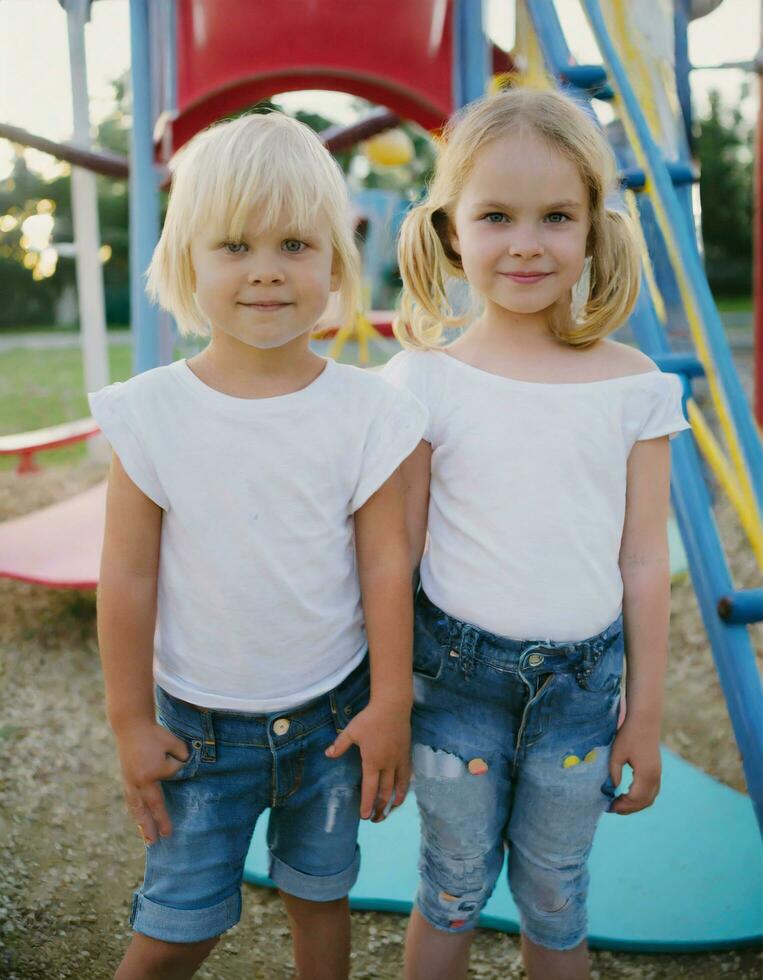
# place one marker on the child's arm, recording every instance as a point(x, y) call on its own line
point(416, 474)
point(126, 620)
point(382, 730)
point(645, 568)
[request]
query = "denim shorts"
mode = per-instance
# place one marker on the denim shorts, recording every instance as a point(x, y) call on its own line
point(240, 765)
point(511, 746)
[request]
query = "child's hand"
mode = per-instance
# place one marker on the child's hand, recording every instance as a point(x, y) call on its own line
point(639, 746)
point(148, 753)
point(383, 735)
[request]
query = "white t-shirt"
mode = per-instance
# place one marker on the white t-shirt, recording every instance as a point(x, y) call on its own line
point(258, 597)
point(527, 497)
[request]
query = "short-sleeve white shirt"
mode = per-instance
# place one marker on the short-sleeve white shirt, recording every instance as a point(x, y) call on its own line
point(259, 605)
point(527, 494)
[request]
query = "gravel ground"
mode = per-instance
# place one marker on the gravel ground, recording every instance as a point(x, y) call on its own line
point(69, 857)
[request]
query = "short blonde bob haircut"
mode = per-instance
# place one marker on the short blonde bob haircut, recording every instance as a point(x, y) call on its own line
point(427, 259)
point(266, 162)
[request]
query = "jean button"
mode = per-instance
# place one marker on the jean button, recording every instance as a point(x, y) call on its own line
point(281, 726)
point(534, 659)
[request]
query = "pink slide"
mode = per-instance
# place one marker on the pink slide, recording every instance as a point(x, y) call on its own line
point(58, 546)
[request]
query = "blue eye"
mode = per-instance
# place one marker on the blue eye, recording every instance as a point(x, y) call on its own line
point(492, 216)
point(557, 218)
point(293, 245)
point(234, 248)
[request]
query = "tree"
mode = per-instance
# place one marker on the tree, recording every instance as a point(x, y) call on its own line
point(24, 194)
point(724, 146)
point(30, 292)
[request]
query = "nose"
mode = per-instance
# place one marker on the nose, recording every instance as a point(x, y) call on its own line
point(264, 272)
point(525, 243)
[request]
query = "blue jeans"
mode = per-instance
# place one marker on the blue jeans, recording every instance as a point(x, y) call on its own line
point(511, 746)
point(240, 765)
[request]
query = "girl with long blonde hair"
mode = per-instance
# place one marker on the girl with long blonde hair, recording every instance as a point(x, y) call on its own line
point(543, 483)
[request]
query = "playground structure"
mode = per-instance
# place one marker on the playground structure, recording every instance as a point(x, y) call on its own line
point(190, 68)
point(26, 445)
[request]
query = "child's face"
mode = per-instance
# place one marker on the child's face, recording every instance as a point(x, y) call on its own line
point(521, 225)
point(269, 287)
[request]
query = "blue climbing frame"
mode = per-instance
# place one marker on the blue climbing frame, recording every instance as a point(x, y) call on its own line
point(725, 612)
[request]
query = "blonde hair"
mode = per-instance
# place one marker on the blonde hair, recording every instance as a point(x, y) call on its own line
point(427, 259)
point(270, 163)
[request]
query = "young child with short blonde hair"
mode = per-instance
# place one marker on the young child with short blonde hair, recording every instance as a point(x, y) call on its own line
point(254, 560)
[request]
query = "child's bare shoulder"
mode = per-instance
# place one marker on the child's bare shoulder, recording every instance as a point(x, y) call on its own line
point(620, 360)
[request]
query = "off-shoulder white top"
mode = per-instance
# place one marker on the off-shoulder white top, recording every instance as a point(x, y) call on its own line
point(527, 498)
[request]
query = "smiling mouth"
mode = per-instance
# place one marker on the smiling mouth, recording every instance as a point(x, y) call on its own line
point(526, 278)
point(265, 306)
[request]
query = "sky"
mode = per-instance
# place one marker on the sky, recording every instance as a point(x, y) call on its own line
point(34, 65)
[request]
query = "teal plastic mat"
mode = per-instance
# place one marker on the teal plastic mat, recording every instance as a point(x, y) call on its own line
point(683, 875)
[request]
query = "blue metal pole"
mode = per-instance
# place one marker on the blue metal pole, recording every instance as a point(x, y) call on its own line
point(740, 410)
point(550, 35)
point(683, 67)
point(144, 193)
point(471, 68)
point(730, 641)
point(170, 40)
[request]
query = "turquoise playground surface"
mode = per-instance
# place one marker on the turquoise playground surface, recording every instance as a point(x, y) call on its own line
point(684, 875)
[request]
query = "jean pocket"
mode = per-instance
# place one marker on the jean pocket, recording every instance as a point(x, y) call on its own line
point(605, 676)
point(590, 697)
point(349, 705)
point(190, 767)
point(172, 717)
point(602, 684)
point(428, 654)
point(608, 791)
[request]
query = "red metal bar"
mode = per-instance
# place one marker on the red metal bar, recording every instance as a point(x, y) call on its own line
point(108, 164)
point(27, 463)
point(336, 138)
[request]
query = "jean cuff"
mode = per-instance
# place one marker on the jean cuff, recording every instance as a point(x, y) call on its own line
point(184, 925)
point(558, 943)
point(313, 888)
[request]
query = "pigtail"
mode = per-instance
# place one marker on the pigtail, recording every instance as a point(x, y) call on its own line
point(615, 282)
point(426, 260)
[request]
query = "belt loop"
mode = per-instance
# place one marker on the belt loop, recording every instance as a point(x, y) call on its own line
point(593, 654)
point(338, 720)
point(597, 649)
point(454, 631)
point(467, 648)
point(209, 746)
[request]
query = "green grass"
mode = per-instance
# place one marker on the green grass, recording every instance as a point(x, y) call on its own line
point(57, 328)
point(44, 387)
point(39, 388)
point(734, 304)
